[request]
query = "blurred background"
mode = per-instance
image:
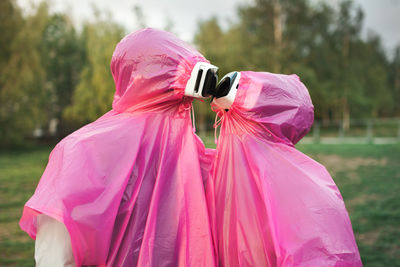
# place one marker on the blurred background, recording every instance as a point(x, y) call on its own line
point(55, 78)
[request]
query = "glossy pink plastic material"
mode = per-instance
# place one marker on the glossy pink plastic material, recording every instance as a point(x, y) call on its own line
point(130, 186)
point(271, 204)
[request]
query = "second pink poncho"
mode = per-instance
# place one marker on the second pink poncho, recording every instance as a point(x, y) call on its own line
point(271, 204)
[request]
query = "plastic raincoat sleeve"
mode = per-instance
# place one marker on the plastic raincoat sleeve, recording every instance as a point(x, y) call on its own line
point(73, 189)
point(53, 244)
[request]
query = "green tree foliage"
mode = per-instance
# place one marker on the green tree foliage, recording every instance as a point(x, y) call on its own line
point(10, 24)
point(22, 75)
point(347, 76)
point(49, 70)
point(63, 55)
point(94, 92)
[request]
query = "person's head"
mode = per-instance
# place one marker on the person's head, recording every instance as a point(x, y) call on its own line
point(151, 67)
point(279, 103)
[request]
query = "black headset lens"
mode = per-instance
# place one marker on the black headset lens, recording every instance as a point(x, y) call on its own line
point(210, 83)
point(224, 86)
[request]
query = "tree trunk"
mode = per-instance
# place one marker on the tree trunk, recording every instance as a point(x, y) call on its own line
point(345, 114)
point(277, 24)
point(345, 104)
point(397, 91)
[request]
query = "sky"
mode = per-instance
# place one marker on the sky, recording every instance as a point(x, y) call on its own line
point(381, 16)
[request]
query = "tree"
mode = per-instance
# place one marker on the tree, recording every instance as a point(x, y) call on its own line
point(94, 93)
point(63, 54)
point(22, 75)
point(345, 74)
point(394, 80)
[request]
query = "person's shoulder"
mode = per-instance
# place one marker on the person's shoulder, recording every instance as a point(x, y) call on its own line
point(116, 123)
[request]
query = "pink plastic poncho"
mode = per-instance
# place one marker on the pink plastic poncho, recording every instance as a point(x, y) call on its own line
point(130, 186)
point(273, 205)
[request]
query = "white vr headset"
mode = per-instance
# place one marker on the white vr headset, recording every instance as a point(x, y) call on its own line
point(202, 81)
point(225, 92)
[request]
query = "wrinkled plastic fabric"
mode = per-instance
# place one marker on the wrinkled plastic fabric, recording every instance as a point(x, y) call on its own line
point(270, 204)
point(130, 186)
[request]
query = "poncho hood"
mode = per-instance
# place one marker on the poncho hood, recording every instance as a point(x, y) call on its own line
point(279, 103)
point(150, 70)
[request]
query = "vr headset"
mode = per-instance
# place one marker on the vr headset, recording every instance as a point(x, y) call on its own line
point(202, 81)
point(225, 92)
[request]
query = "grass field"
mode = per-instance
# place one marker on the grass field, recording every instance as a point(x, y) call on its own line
point(367, 175)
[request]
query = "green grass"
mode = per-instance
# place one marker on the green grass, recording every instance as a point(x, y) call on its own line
point(19, 174)
point(368, 177)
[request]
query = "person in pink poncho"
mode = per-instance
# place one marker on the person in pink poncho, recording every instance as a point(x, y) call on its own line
point(127, 189)
point(271, 204)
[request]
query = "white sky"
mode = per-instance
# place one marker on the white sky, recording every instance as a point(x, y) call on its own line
point(381, 16)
